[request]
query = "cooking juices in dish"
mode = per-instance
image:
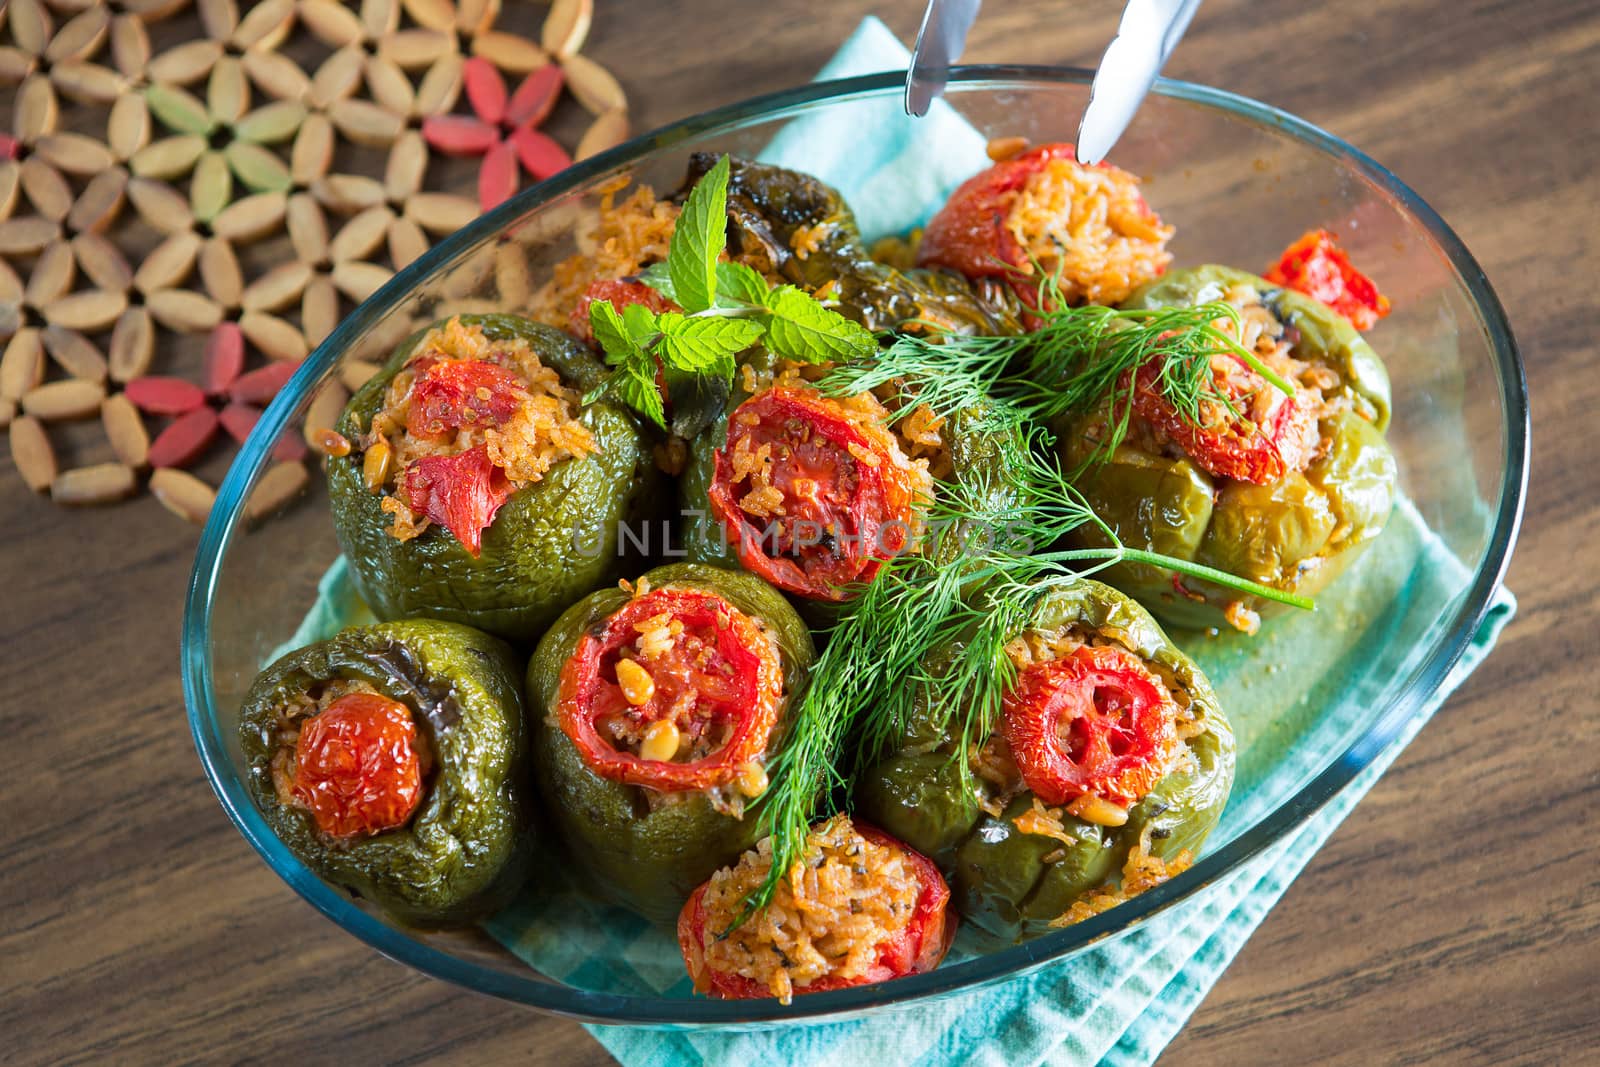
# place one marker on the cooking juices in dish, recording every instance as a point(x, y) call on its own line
point(906, 447)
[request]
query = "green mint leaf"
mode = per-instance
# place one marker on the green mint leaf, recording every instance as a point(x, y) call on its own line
point(611, 331)
point(659, 278)
point(704, 345)
point(740, 284)
point(640, 324)
point(636, 387)
point(633, 380)
point(802, 329)
point(697, 240)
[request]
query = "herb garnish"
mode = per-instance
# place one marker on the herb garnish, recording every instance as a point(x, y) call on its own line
point(727, 308)
point(875, 671)
point(1082, 359)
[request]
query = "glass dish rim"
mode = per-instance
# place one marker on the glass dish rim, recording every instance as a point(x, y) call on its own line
point(664, 1012)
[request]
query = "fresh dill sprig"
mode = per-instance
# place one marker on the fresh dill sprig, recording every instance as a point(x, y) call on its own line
point(1079, 360)
point(875, 672)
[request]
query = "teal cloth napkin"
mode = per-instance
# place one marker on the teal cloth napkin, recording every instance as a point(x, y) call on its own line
point(1120, 1003)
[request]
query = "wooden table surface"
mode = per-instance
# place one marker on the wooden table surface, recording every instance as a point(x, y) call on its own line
point(1455, 917)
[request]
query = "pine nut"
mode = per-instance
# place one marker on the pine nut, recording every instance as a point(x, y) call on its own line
point(636, 683)
point(375, 465)
point(752, 780)
point(1097, 810)
point(660, 740)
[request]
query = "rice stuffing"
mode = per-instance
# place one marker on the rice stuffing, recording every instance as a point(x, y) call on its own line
point(540, 432)
point(844, 898)
point(1090, 228)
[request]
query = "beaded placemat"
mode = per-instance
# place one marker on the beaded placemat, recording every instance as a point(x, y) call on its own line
point(194, 192)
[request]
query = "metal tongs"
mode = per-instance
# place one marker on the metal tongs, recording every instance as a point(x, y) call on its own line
point(1146, 36)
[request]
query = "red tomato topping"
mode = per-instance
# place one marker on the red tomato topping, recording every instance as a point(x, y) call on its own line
point(827, 505)
point(1097, 721)
point(460, 492)
point(1273, 433)
point(621, 294)
point(970, 233)
point(449, 394)
point(358, 768)
point(919, 948)
point(1316, 266)
point(713, 675)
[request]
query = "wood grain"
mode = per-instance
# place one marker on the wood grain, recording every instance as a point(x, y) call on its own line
point(1455, 917)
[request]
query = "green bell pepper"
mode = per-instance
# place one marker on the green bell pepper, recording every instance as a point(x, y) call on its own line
point(768, 205)
point(553, 541)
point(1010, 885)
point(465, 851)
point(1296, 534)
point(650, 852)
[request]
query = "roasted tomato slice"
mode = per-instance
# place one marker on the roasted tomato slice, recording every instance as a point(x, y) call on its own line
point(917, 949)
point(1270, 435)
point(358, 766)
point(971, 233)
point(1095, 722)
point(678, 690)
point(815, 501)
point(621, 293)
point(1316, 266)
point(460, 492)
point(451, 394)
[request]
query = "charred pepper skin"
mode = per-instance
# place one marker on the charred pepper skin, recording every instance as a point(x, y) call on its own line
point(549, 544)
point(1277, 534)
point(999, 878)
point(465, 852)
point(767, 205)
point(647, 860)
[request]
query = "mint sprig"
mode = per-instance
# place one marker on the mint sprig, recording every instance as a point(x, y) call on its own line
point(727, 308)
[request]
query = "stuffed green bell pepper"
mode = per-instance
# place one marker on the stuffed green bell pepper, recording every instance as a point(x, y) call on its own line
point(392, 760)
point(815, 492)
point(479, 488)
point(1284, 490)
point(657, 711)
point(799, 228)
point(1110, 765)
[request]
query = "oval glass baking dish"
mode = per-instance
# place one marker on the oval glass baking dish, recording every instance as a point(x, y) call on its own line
point(1239, 180)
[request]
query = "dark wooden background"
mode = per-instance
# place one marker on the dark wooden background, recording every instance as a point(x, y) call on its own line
point(1454, 917)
